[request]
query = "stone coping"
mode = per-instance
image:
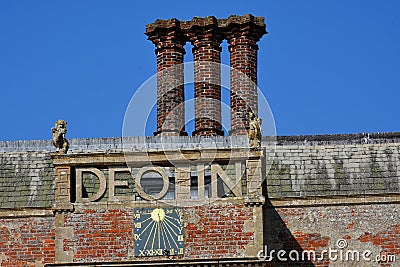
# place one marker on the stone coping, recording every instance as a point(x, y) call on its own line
point(135, 143)
point(338, 200)
point(140, 143)
point(209, 21)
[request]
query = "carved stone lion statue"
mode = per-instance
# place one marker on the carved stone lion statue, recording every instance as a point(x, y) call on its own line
point(58, 137)
point(254, 131)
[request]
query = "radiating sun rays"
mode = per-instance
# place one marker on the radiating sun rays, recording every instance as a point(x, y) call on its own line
point(159, 232)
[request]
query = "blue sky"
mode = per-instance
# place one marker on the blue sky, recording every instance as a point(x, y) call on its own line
point(325, 66)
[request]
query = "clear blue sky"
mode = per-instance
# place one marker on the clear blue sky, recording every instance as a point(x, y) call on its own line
point(325, 66)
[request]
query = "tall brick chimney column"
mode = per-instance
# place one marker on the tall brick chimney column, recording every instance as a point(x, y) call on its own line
point(206, 39)
point(242, 34)
point(165, 34)
point(206, 34)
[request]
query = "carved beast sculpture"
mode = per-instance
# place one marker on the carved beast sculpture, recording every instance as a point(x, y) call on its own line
point(58, 136)
point(254, 131)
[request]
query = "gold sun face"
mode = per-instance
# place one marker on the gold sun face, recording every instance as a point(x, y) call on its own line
point(158, 215)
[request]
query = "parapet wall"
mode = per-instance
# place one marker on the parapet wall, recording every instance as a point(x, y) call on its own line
point(302, 166)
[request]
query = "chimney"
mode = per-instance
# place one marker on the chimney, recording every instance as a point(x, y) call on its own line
point(242, 34)
point(206, 35)
point(165, 35)
point(206, 39)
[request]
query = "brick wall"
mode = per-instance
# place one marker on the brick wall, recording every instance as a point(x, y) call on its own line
point(214, 231)
point(100, 235)
point(374, 227)
point(27, 241)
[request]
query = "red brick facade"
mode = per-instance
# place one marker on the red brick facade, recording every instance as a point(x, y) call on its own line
point(100, 235)
point(221, 228)
point(27, 241)
point(211, 232)
point(106, 234)
point(318, 228)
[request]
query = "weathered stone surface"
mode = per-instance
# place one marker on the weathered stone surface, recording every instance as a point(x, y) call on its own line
point(304, 171)
point(342, 167)
point(26, 180)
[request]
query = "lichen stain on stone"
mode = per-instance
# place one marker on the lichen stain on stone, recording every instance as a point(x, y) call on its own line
point(193, 217)
point(34, 185)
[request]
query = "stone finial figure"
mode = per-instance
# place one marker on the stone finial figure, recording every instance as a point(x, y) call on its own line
point(254, 131)
point(58, 137)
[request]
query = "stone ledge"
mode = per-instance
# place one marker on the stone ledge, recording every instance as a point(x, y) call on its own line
point(165, 203)
point(23, 213)
point(292, 202)
point(139, 143)
point(134, 143)
point(155, 157)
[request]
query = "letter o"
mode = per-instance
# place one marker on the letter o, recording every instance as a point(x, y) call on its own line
point(139, 188)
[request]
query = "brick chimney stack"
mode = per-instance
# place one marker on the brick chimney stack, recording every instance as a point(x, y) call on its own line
point(206, 40)
point(206, 35)
point(166, 36)
point(243, 33)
